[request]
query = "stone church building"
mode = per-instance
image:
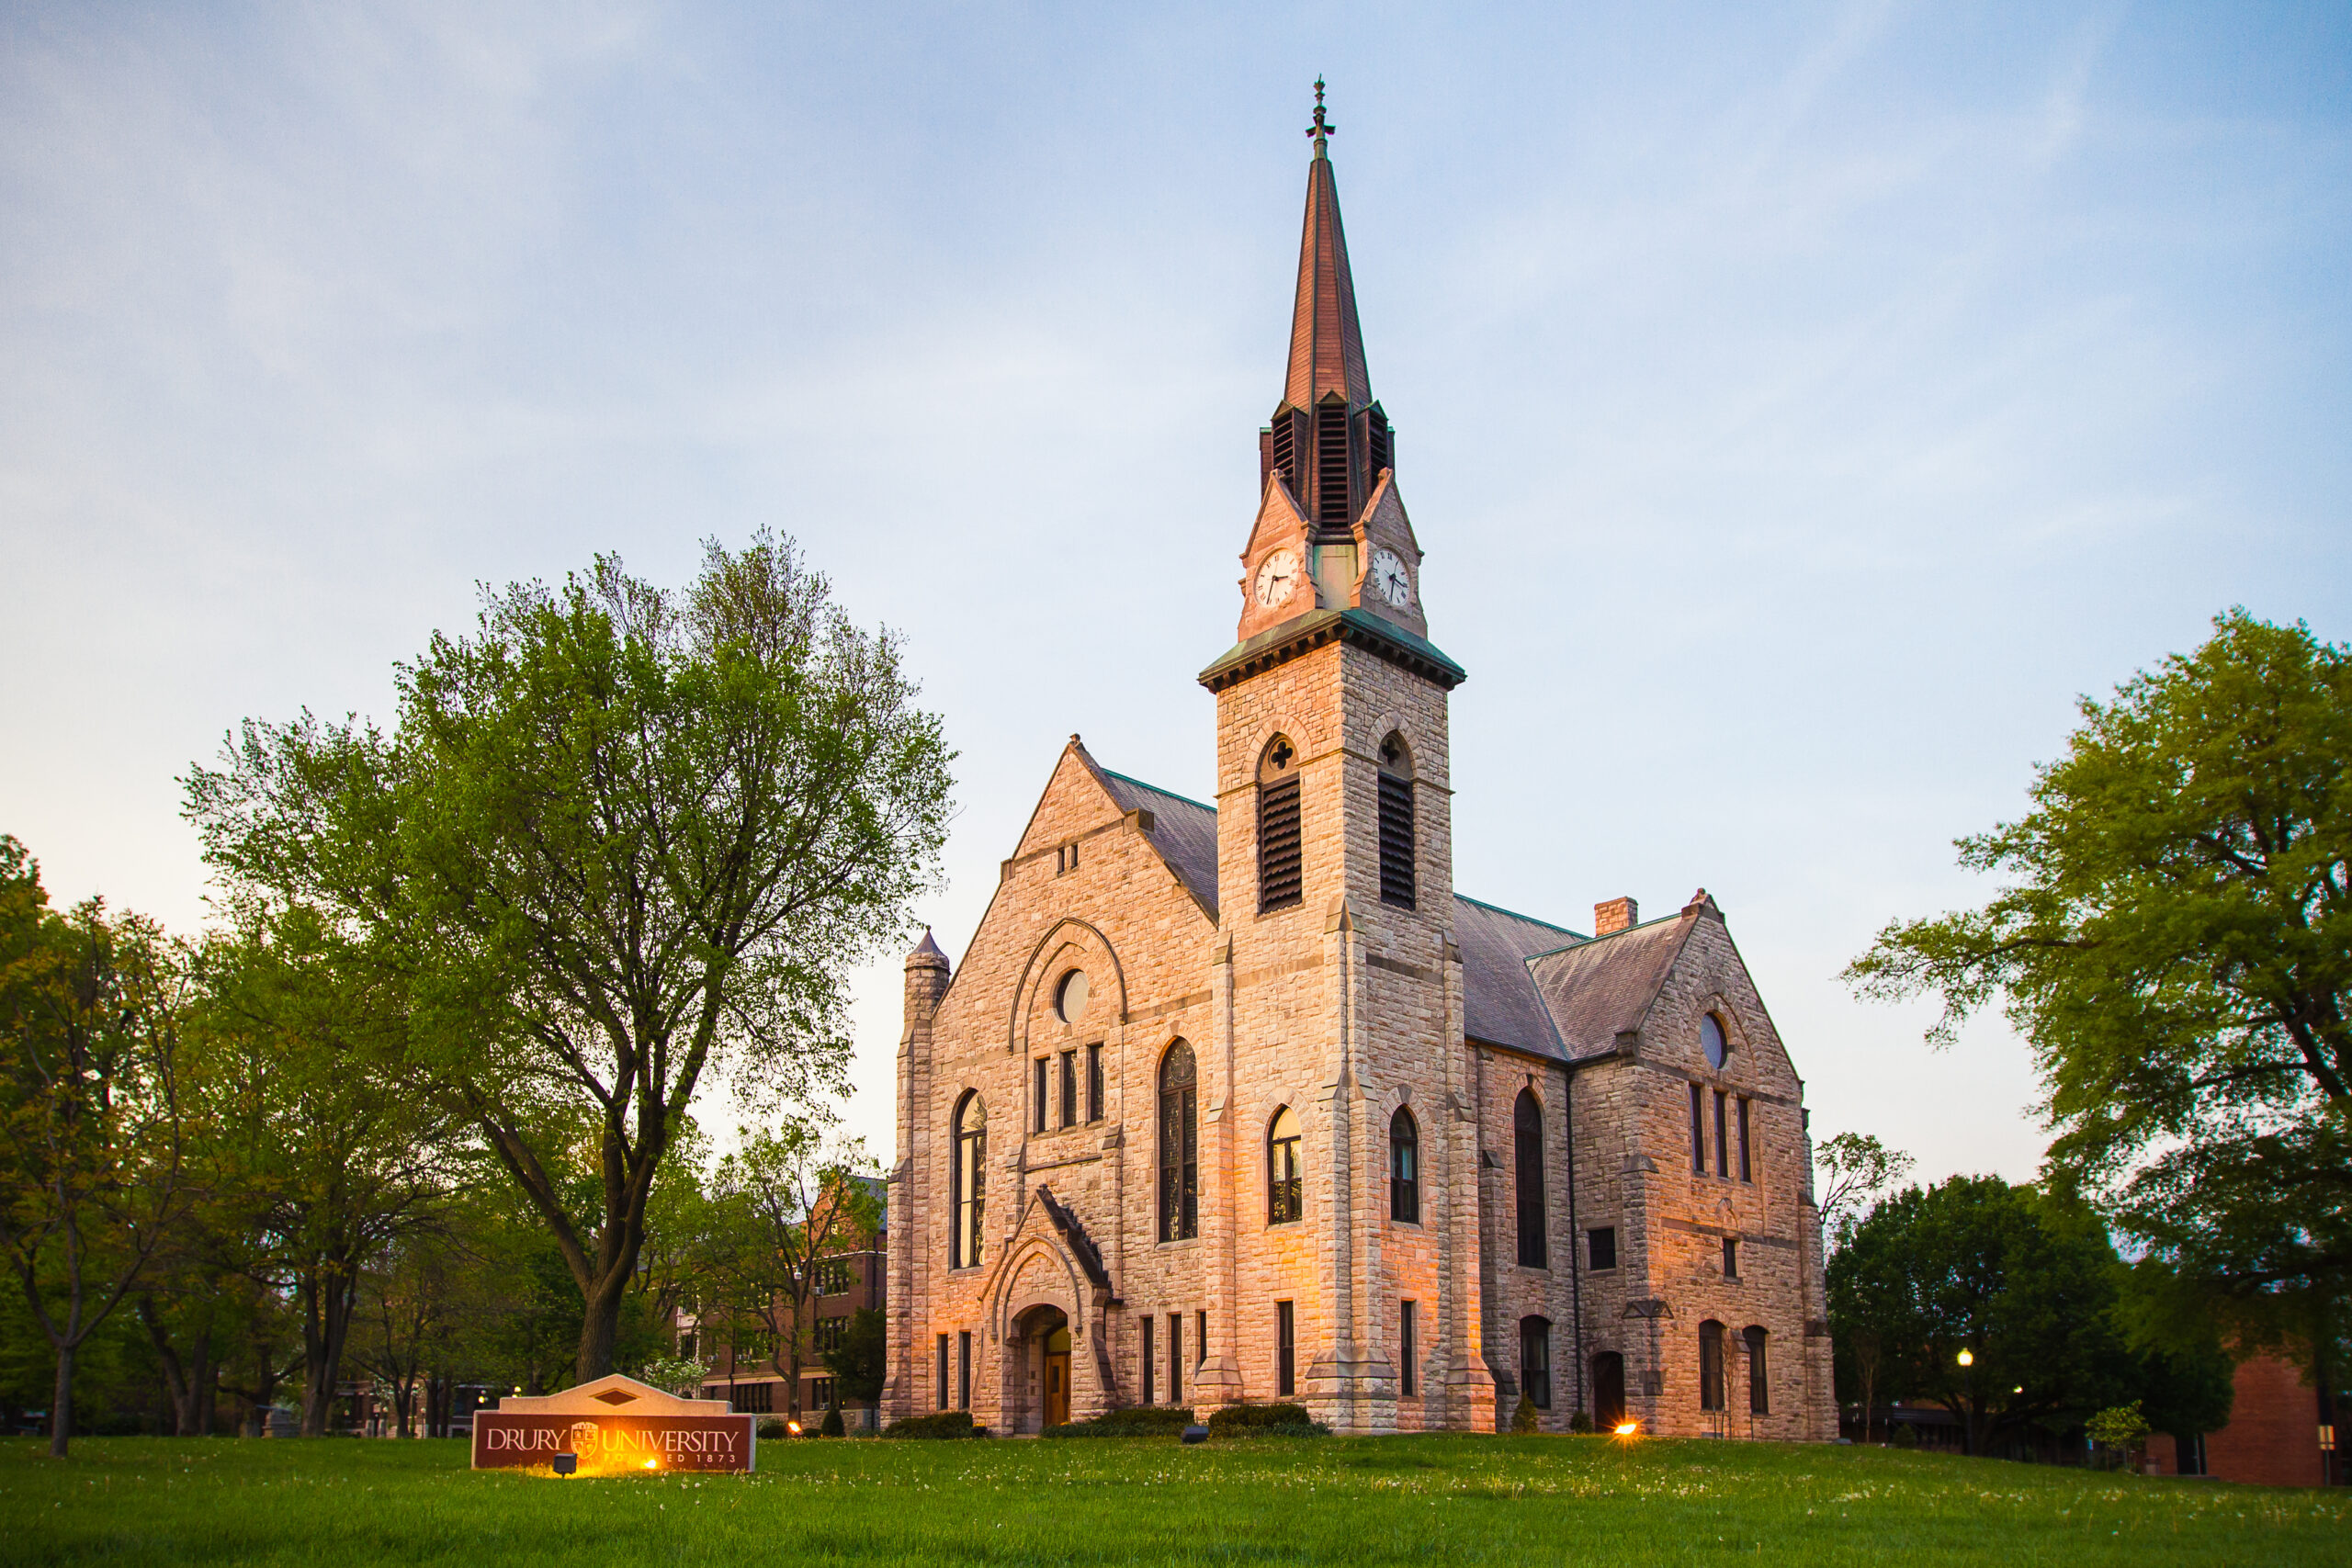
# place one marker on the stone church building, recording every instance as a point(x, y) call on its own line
point(1244, 1102)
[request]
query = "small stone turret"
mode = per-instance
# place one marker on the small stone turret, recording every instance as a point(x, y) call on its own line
point(927, 976)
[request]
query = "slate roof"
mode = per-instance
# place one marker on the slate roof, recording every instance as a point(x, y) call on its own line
point(1599, 989)
point(1184, 832)
point(1502, 1002)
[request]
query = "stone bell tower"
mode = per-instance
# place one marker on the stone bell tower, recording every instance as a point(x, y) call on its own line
point(1337, 979)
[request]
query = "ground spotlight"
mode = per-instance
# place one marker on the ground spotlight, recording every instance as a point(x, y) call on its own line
point(565, 1464)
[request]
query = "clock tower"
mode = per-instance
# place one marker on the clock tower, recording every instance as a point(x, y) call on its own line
point(1337, 978)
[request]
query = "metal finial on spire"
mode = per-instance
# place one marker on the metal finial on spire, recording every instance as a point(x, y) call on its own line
point(1322, 129)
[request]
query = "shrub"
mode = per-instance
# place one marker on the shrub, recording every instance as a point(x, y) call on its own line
point(945, 1424)
point(831, 1426)
point(1905, 1436)
point(1135, 1421)
point(1524, 1418)
point(773, 1427)
point(1266, 1421)
point(1580, 1422)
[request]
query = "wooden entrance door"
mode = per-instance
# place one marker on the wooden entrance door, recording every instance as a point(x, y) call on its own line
point(1057, 1376)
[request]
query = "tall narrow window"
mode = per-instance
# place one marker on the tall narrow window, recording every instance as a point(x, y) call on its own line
point(1175, 1358)
point(1404, 1169)
point(1395, 823)
point(1201, 1338)
point(1407, 1350)
point(1731, 1257)
point(1143, 1355)
point(1746, 1168)
point(1535, 1360)
point(1069, 1089)
point(1094, 1082)
point(1037, 1095)
point(1285, 1350)
point(1280, 869)
point(964, 1368)
point(1699, 1129)
point(1179, 1169)
point(1282, 1194)
point(1723, 1140)
point(969, 1174)
point(1527, 1136)
point(943, 1372)
point(1759, 1385)
point(1711, 1365)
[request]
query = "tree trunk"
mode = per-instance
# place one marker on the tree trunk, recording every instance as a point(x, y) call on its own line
point(61, 1403)
point(599, 1327)
point(329, 1298)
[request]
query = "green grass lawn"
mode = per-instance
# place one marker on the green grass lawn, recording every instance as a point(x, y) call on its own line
point(1504, 1500)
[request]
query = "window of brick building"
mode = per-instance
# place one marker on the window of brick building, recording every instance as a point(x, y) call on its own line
point(1285, 1350)
point(1723, 1141)
point(1069, 1089)
point(1094, 1082)
point(1601, 1246)
point(1759, 1393)
point(1711, 1365)
point(1731, 1257)
point(943, 1372)
point(1175, 1358)
point(1200, 1336)
point(1746, 1166)
point(1070, 997)
point(1404, 1169)
point(1535, 1360)
point(1284, 1197)
point(1712, 1040)
point(1180, 1170)
point(1527, 1138)
point(1038, 1101)
point(821, 1394)
point(828, 1333)
point(1143, 1355)
point(969, 1182)
point(1699, 1129)
point(1408, 1351)
point(964, 1368)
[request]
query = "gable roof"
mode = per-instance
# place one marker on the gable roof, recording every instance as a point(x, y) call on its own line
point(1184, 832)
point(1596, 989)
point(1501, 1001)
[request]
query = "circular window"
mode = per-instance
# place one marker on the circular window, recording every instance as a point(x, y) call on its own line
point(1711, 1040)
point(1070, 997)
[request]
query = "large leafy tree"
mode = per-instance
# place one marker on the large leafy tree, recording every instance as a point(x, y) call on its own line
point(623, 840)
point(94, 1110)
point(2174, 940)
point(324, 1153)
point(2026, 1288)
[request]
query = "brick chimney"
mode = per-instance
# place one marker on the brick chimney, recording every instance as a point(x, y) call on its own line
point(1614, 916)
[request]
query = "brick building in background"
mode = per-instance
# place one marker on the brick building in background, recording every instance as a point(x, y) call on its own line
point(758, 1378)
point(1244, 1102)
point(2282, 1431)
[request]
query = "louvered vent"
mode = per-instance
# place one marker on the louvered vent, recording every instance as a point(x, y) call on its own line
point(1331, 466)
point(1396, 841)
point(1285, 451)
point(1280, 882)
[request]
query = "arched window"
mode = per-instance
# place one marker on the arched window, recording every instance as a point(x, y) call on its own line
point(1712, 1041)
point(968, 1180)
point(1395, 823)
point(1535, 1360)
point(1404, 1169)
point(1527, 1136)
point(1180, 1156)
point(1282, 1196)
point(1711, 1365)
point(1759, 1396)
point(1281, 881)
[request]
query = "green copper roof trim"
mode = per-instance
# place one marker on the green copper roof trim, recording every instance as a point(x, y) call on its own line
point(1279, 644)
point(1141, 783)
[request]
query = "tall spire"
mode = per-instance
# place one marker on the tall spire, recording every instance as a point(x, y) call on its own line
point(1329, 440)
point(1326, 342)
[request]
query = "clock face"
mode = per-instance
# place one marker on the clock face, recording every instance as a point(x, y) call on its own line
point(1388, 579)
point(1277, 579)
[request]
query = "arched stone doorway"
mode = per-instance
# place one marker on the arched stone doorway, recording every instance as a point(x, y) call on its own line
point(1041, 1355)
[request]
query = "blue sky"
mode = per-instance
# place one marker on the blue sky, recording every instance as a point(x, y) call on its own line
point(1800, 405)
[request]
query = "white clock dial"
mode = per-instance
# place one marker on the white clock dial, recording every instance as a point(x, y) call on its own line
point(1277, 579)
point(1388, 579)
